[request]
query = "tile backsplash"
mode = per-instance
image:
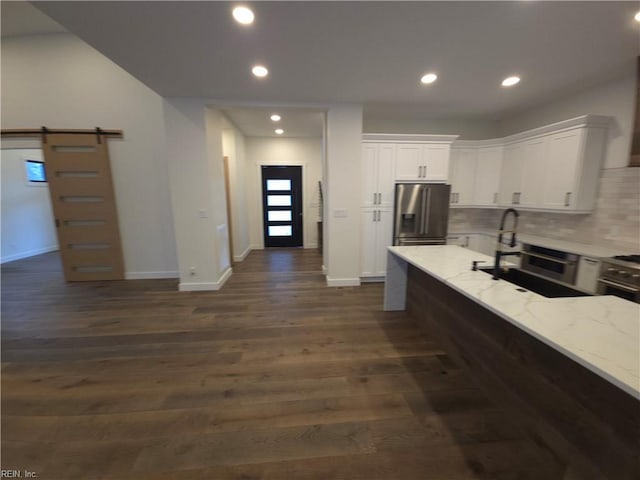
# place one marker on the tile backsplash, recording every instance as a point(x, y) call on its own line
point(615, 221)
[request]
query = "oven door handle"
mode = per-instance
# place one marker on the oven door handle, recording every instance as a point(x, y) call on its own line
point(548, 257)
point(619, 285)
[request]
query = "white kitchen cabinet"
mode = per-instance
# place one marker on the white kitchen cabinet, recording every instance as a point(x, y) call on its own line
point(511, 174)
point(557, 168)
point(573, 167)
point(523, 173)
point(378, 164)
point(487, 176)
point(463, 176)
point(420, 162)
point(588, 272)
point(377, 236)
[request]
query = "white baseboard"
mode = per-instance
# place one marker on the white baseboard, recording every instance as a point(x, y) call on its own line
point(311, 245)
point(150, 275)
point(343, 282)
point(242, 256)
point(205, 286)
point(28, 253)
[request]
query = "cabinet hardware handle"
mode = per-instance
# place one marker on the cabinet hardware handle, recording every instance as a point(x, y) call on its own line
point(457, 197)
point(374, 198)
point(513, 198)
point(567, 199)
point(495, 198)
point(379, 199)
point(589, 260)
point(419, 172)
point(424, 174)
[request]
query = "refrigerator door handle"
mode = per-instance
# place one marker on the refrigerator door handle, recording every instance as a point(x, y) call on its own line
point(427, 212)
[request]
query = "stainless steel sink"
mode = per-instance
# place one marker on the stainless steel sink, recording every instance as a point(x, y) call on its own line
point(539, 285)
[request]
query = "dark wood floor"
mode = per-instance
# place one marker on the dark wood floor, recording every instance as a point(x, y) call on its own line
point(274, 377)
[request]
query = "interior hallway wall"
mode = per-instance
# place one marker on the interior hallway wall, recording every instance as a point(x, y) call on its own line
point(59, 81)
point(234, 147)
point(306, 152)
point(27, 227)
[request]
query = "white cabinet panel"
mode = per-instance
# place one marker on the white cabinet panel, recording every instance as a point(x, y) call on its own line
point(563, 169)
point(424, 162)
point(533, 172)
point(511, 177)
point(463, 176)
point(487, 176)
point(377, 235)
point(588, 272)
point(378, 163)
point(436, 162)
point(409, 163)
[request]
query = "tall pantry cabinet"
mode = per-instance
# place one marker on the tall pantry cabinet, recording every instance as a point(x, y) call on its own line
point(388, 159)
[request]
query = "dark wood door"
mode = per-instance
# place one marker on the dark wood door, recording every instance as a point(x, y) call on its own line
point(282, 206)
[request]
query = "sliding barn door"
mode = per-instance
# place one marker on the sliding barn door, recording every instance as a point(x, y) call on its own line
point(84, 206)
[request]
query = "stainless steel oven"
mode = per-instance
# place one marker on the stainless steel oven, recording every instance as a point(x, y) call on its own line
point(554, 264)
point(620, 276)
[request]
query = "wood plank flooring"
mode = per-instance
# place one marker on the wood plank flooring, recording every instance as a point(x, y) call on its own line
point(275, 376)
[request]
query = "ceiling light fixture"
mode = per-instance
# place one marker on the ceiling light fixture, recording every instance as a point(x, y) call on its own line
point(279, 131)
point(260, 71)
point(243, 15)
point(637, 17)
point(429, 78)
point(275, 117)
point(510, 81)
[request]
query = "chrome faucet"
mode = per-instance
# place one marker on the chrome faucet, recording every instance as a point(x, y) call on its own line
point(512, 243)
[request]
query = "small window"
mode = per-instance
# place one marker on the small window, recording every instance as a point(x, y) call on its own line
point(35, 171)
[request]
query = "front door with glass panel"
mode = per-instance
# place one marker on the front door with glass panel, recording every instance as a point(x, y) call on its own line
point(282, 206)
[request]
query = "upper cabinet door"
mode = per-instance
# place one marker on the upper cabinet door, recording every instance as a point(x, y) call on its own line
point(463, 175)
point(533, 171)
point(369, 174)
point(563, 170)
point(487, 181)
point(511, 177)
point(386, 174)
point(409, 163)
point(436, 162)
point(378, 164)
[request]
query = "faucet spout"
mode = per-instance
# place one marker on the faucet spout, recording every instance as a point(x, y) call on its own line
point(512, 243)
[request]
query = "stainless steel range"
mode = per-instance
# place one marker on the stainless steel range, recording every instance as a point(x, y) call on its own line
point(620, 276)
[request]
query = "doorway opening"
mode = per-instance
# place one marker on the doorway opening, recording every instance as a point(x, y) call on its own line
point(282, 206)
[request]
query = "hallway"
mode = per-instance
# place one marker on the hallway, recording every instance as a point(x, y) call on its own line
point(275, 376)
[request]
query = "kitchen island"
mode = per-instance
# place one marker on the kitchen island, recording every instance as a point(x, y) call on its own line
point(568, 368)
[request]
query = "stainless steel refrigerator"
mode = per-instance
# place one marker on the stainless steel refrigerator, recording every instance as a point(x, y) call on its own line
point(421, 214)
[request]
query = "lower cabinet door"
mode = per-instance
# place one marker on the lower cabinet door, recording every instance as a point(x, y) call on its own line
point(377, 233)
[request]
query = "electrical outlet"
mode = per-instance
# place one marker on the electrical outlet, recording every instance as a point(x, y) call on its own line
point(192, 271)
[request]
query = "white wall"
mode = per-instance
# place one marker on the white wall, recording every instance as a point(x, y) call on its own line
point(466, 129)
point(615, 98)
point(306, 152)
point(59, 81)
point(342, 195)
point(194, 153)
point(27, 218)
point(234, 147)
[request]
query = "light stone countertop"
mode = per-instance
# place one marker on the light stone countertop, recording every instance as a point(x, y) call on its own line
point(602, 333)
point(584, 249)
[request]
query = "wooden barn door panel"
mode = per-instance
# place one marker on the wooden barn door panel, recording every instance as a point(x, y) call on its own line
point(84, 206)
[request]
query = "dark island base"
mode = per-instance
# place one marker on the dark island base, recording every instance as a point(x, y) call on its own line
point(588, 423)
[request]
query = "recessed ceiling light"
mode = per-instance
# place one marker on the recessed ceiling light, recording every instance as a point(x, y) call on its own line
point(260, 71)
point(510, 81)
point(279, 131)
point(637, 17)
point(429, 78)
point(243, 15)
point(275, 117)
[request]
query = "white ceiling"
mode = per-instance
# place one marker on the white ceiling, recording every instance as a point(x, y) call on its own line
point(372, 53)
